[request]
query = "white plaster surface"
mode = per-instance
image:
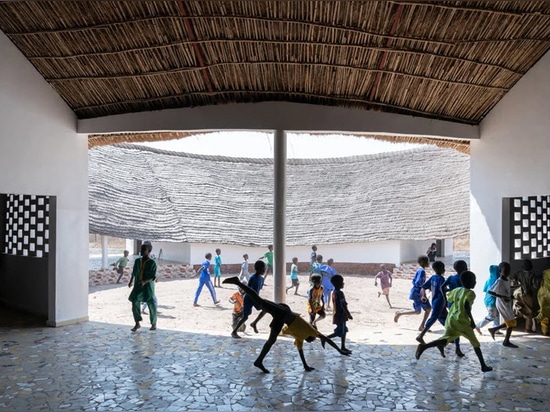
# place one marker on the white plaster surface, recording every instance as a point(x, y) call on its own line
point(510, 159)
point(373, 252)
point(42, 154)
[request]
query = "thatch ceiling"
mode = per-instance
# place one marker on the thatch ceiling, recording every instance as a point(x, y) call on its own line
point(449, 60)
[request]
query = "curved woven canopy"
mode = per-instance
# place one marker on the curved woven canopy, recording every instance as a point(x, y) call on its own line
point(450, 60)
point(422, 193)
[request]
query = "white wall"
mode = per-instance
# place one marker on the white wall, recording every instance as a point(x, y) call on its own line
point(387, 252)
point(510, 159)
point(409, 250)
point(42, 154)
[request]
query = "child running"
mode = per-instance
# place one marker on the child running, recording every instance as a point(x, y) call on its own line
point(341, 313)
point(501, 290)
point(296, 326)
point(420, 302)
point(315, 300)
point(121, 264)
point(294, 276)
point(451, 283)
point(490, 301)
point(439, 310)
point(386, 280)
point(459, 320)
point(218, 269)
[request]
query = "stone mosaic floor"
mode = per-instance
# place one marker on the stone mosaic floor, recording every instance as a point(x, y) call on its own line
point(102, 366)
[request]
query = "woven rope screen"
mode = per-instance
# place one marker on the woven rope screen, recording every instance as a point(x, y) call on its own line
point(449, 60)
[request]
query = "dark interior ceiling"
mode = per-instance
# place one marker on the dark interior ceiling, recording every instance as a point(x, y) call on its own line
point(449, 60)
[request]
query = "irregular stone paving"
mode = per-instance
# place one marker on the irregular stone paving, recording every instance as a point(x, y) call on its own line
point(100, 366)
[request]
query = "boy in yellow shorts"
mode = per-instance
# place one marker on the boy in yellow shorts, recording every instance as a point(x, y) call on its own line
point(285, 321)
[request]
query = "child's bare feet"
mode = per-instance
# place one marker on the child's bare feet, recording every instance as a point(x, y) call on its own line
point(419, 351)
point(261, 366)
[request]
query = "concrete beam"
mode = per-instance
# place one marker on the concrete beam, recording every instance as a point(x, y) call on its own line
point(291, 117)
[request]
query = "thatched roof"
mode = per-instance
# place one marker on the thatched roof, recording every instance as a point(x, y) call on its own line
point(450, 60)
point(144, 193)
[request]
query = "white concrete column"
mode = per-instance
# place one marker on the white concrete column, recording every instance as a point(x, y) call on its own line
point(279, 220)
point(104, 252)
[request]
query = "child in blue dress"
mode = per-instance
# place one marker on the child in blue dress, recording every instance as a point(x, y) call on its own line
point(420, 302)
point(218, 269)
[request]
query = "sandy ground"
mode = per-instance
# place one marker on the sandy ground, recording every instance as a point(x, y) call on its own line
point(373, 319)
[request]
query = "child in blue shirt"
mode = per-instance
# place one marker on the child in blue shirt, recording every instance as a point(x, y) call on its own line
point(439, 310)
point(420, 302)
point(256, 283)
point(218, 269)
point(294, 276)
point(204, 280)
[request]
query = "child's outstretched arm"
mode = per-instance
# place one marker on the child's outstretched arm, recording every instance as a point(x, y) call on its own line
point(506, 298)
point(468, 310)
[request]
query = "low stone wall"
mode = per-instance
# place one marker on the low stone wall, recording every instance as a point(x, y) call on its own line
point(177, 271)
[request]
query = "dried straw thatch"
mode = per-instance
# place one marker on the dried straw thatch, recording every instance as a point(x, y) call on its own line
point(143, 193)
point(449, 60)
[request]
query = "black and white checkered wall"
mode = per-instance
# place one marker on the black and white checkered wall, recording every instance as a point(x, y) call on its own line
point(27, 225)
point(530, 222)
